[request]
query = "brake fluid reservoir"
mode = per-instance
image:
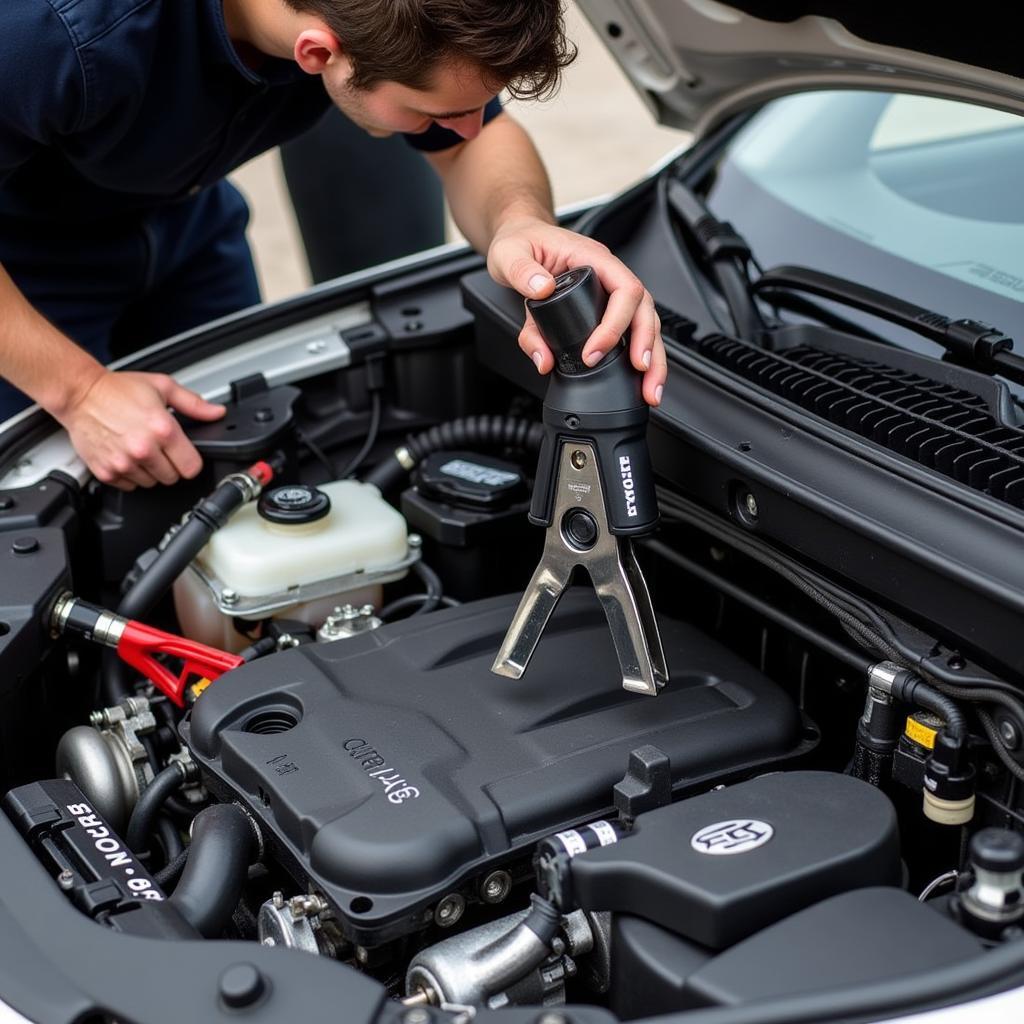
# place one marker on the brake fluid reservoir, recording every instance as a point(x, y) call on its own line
point(296, 554)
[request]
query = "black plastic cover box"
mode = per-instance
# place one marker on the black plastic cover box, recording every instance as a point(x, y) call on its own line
point(389, 768)
point(721, 866)
point(857, 938)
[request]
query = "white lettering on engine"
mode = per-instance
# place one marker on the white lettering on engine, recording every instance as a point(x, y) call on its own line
point(113, 852)
point(396, 788)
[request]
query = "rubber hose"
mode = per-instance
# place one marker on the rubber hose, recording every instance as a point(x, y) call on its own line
point(207, 516)
point(471, 432)
point(151, 586)
point(150, 804)
point(984, 693)
point(992, 731)
point(914, 690)
point(477, 432)
point(388, 612)
point(262, 647)
point(435, 589)
point(544, 919)
point(170, 837)
point(223, 846)
point(168, 875)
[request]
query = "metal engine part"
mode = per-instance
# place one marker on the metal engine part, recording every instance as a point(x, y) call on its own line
point(292, 923)
point(348, 621)
point(499, 964)
point(107, 760)
point(995, 898)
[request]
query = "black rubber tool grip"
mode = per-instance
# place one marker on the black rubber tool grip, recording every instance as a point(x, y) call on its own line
point(603, 406)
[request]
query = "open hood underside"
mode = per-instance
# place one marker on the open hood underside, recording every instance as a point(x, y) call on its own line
point(696, 62)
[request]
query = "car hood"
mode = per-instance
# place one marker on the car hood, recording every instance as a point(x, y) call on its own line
point(697, 62)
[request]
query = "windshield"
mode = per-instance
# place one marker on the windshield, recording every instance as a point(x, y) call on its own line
point(915, 196)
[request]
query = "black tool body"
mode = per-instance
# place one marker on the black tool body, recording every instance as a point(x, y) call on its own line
point(603, 405)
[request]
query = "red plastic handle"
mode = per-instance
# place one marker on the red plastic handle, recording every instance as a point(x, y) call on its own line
point(140, 644)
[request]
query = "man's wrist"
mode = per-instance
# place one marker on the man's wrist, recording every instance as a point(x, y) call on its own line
point(65, 391)
point(519, 216)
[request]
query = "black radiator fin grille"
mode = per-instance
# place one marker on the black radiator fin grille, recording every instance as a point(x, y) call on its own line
point(941, 427)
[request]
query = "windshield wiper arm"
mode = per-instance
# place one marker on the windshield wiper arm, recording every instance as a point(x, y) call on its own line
point(726, 253)
point(971, 343)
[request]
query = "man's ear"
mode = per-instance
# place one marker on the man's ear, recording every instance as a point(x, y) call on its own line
point(315, 48)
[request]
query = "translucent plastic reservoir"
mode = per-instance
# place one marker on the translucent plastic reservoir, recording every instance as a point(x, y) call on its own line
point(265, 562)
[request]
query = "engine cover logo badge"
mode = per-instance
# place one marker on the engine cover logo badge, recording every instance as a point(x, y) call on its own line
point(741, 835)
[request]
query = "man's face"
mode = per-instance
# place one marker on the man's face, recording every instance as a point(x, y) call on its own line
point(455, 99)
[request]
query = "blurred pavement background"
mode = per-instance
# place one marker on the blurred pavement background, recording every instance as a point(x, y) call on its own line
point(596, 137)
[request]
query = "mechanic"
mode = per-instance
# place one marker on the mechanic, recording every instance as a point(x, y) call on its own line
point(120, 119)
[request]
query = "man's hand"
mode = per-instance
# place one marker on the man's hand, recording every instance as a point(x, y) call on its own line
point(527, 254)
point(120, 426)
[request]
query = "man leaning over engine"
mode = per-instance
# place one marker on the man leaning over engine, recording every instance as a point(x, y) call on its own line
point(120, 120)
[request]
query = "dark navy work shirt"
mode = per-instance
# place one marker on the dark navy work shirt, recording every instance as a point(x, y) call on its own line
point(109, 107)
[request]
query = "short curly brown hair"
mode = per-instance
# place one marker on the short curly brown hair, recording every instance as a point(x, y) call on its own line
point(519, 45)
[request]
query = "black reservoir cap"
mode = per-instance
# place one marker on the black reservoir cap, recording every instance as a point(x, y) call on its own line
point(998, 850)
point(293, 504)
point(470, 480)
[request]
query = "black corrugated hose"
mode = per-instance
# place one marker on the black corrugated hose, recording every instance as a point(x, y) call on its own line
point(471, 432)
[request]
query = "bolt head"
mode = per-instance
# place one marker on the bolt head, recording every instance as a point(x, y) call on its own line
point(496, 887)
point(578, 459)
point(750, 504)
point(450, 910)
point(241, 985)
point(1009, 734)
point(415, 540)
point(66, 879)
point(229, 597)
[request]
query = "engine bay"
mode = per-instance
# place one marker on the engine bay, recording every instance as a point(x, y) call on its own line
point(412, 773)
point(259, 708)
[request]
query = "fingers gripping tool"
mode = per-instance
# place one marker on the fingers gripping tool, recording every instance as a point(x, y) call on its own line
point(594, 489)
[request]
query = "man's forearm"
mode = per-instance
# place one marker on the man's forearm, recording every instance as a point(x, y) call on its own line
point(494, 180)
point(37, 358)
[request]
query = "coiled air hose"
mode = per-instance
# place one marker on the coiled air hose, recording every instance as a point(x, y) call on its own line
point(473, 432)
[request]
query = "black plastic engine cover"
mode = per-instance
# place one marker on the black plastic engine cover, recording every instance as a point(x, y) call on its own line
point(410, 767)
point(721, 866)
point(856, 938)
